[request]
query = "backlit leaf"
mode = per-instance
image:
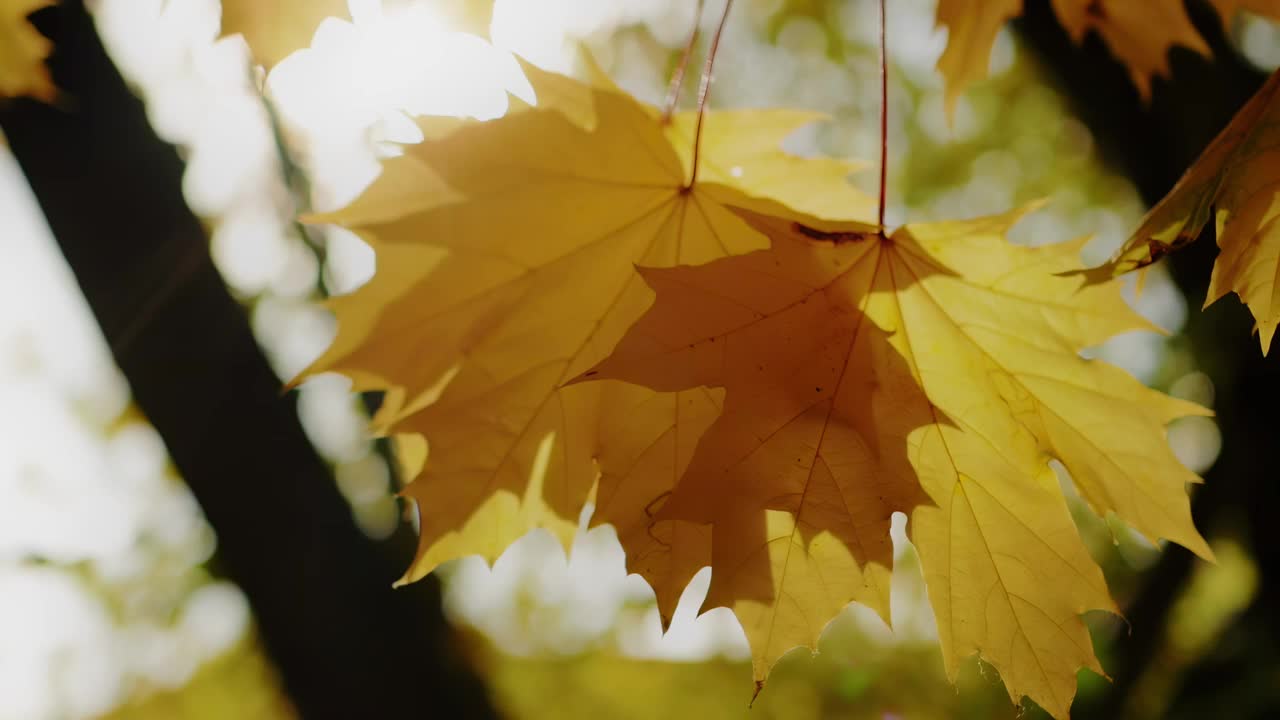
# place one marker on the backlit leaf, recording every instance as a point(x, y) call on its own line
point(1139, 33)
point(22, 52)
point(275, 28)
point(506, 254)
point(1236, 182)
point(935, 372)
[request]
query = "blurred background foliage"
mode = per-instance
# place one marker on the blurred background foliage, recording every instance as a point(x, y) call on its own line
point(110, 602)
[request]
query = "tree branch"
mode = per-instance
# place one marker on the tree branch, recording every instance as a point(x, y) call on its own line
point(345, 643)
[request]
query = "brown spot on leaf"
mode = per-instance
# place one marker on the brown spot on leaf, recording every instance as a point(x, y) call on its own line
point(834, 237)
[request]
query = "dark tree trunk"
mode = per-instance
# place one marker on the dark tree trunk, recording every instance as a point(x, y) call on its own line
point(346, 644)
point(1153, 144)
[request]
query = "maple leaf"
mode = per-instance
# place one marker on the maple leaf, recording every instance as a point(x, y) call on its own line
point(644, 448)
point(935, 372)
point(506, 253)
point(1239, 175)
point(971, 31)
point(275, 28)
point(23, 51)
point(1138, 34)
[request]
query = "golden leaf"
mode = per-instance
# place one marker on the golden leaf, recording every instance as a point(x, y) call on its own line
point(23, 51)
point(936, 373)
point(275, 28)
point(1138, 34)
point(1238, 175)
point(971, 31)
point(506, 253)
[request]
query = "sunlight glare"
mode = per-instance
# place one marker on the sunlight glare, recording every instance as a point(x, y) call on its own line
point(348, 93)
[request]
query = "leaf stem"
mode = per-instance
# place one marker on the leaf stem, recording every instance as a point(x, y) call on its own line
point(884, 119)
point(677, 78)
point(705, 89)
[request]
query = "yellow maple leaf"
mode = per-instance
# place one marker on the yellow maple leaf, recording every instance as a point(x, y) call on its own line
point(1238, 174)
point(971, 31)
point(1139, 34)
point(935, 372)
point(275, 28)
point(506, 253)
point(23, 51)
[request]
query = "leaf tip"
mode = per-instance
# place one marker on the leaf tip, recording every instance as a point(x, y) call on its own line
point(1266, 331)
point(1198, 545)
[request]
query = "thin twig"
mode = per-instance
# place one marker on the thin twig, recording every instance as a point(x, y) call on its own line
point(296, 182)
point(677, 78)
point(705, 89)
point(884, 118)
